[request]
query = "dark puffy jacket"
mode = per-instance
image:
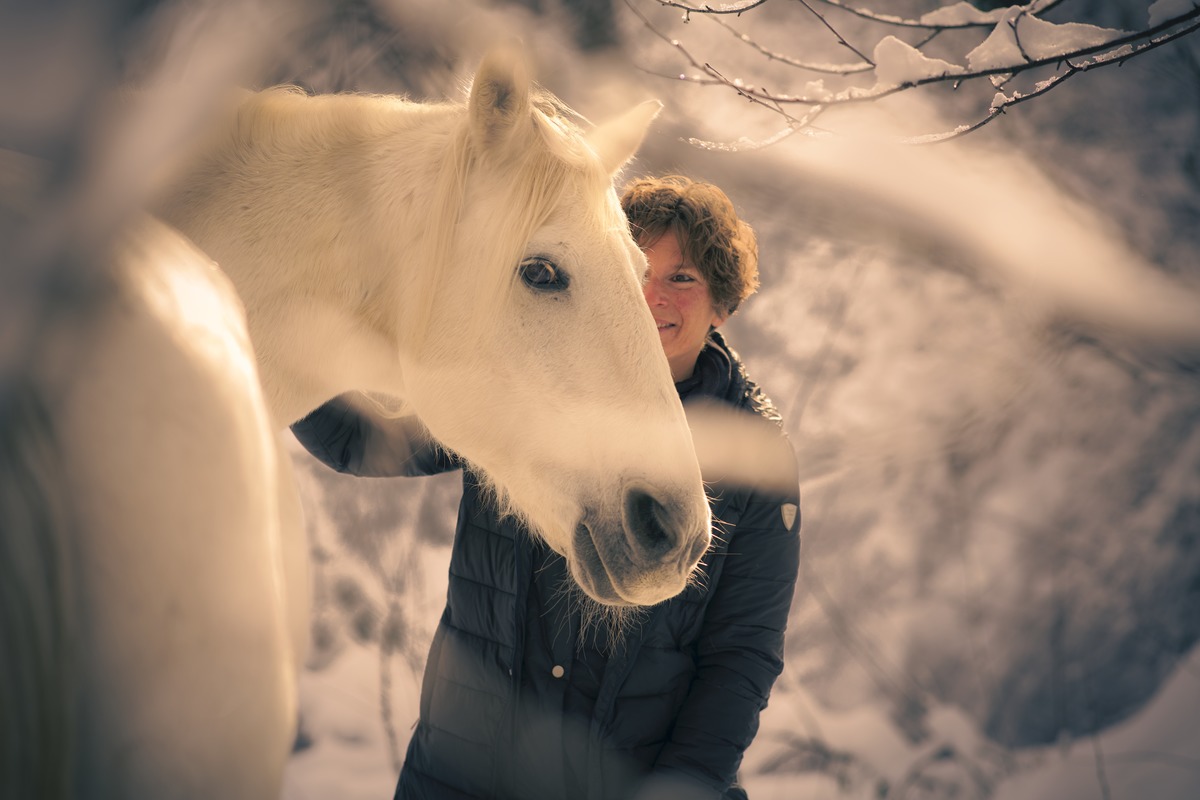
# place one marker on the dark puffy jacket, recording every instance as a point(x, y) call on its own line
point(665, 709)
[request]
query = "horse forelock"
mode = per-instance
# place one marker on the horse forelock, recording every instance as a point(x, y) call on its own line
point(552, 158)
point(560, 129)
point(521, 197)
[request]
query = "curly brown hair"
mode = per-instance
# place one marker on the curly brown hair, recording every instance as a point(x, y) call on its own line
point(711, 236)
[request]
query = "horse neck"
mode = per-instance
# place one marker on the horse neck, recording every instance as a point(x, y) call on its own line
point(320, 216)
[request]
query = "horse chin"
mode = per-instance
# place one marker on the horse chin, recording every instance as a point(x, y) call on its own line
point(600, 578)
point(587, 568)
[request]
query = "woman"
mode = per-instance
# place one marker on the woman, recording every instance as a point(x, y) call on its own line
point(530, 691)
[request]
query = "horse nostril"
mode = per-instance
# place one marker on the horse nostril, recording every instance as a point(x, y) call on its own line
point(652, 534)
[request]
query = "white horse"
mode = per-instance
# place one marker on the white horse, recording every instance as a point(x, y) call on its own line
point(470, 260)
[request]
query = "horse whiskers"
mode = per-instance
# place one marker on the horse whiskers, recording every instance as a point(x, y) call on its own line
point(698, 577)
point(606, 625)
point(602, 625)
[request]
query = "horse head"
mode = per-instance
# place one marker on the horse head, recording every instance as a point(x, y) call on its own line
point(539, 362)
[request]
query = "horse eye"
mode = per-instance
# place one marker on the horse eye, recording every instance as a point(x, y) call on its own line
point(543, 275)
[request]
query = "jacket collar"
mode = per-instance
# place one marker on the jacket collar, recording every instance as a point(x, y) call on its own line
point(716, 372)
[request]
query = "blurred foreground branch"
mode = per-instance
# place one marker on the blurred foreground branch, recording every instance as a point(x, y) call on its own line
point(1017, 52)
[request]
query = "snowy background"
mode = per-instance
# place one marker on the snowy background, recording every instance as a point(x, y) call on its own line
point(1000, 591)
point(987, 353)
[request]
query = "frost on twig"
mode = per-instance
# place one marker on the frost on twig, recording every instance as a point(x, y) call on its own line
point(1021, 55)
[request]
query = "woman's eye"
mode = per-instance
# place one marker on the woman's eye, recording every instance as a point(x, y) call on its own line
point(543, 275)
point(682, 277)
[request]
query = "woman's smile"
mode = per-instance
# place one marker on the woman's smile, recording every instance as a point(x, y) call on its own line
point(680, 303)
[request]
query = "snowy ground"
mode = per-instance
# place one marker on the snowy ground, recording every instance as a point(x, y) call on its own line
point(1155, 754)
point(803, 749)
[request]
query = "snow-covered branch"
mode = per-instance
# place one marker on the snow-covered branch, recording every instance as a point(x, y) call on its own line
point(1008, 42)
point(950, 17)
point(722, 8)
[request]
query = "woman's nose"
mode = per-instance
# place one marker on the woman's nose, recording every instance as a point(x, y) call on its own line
point(653, 293)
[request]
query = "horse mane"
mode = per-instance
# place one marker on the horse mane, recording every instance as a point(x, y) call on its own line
point(560, 157)
point(557, 157)
point(37, 605)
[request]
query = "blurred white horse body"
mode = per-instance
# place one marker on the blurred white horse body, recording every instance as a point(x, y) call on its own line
point(473, 262)
point(187, 604)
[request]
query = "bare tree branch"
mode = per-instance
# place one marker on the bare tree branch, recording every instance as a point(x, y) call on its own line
point(1014, 23)
point(1101, 775)
point(983, 19)
point(1002, 102)
point(859, 95)
point(725, 8)
point(754, 96)
point(1066, 63)
point(841, 39)
point(770, 55)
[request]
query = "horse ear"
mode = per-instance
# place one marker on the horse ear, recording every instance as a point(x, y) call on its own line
point(618, 139)
point(499, 103)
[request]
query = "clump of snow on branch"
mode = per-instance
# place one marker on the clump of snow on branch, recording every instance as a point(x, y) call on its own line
point(1019, 38)
point(962, 13)
point(1163, 10)
point(1018, 50)
point(898, 63)
point(816, 91)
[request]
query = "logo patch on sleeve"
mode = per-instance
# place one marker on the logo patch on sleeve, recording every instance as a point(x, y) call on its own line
point(788, 512)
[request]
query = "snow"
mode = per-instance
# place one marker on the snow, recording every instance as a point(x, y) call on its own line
point(1155, 754)
point(961, 13)
point(1158, 747)
point(1018, 38)
point(816, 91)
point(967, 476)
point(898, 63)
point(349, 755)
point(1163, 10)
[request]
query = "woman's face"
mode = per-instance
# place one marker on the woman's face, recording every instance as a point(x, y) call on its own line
point(680, 302)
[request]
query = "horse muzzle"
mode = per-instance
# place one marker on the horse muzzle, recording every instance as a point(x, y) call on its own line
point(644, 553)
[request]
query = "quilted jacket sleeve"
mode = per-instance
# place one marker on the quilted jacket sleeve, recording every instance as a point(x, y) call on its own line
point(740, 651)
point(349, 434)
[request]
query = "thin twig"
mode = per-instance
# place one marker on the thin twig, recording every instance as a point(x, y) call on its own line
point(1114, 55)
point(993, 112)
point(1105, 792)
point(1116, 50)
point(933, 34)
point(841, 39)
point(770, 55)
point(728, 8)
point(894, 682)
point(1032, 8)
point(385, 687)
point(1050, 83)
point(1107, 48)
point(1013, 23)
point(745, 91)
